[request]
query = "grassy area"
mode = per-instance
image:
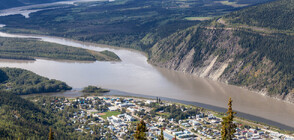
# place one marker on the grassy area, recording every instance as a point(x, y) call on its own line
point(110, 113)
point(163, 114)
point(198, 18)
point(105, 56)
point(233, 4)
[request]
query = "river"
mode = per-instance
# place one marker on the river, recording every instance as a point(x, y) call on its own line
point(135, 75)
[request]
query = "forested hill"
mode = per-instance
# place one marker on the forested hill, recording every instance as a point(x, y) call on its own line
point(4, 4)
point(31, 120)
point(251, 48)
point(20, 118)
point(20, 82)
point(274, 15)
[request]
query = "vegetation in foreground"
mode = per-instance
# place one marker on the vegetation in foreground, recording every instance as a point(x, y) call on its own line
point(23, 119)
point(28, 49)
point(22, 82)
point(228, 126)
point(32, 118)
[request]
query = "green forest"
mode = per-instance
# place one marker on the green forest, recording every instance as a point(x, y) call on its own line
point(135, 24)
point(23, 119)
point(28, 49)
point(22, 82)
point(276, 15)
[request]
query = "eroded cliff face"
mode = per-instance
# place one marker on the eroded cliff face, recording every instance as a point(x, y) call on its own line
point(199, 51)
point(216, 54)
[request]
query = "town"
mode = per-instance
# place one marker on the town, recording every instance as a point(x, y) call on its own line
point(116, 118)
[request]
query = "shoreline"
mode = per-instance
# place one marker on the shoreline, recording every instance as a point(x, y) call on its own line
point(205, 105)
point(241, 115)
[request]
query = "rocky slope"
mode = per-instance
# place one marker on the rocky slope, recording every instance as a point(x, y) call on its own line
point(255, 57)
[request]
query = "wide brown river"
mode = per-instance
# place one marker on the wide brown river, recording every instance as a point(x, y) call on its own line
point(135, 75)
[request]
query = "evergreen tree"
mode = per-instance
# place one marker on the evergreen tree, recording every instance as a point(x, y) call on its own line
point(140, 131)
point(161, 135)
point(175, 138)
point(228, 127)
point(51, 134)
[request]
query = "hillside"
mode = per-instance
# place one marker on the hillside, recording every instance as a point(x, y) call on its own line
point(277, 15)
point(17, 121)
point(21, 82)
point(25, 119)
point(4, 4)
point(137, 24)
point(225, 49)
point(251, 47)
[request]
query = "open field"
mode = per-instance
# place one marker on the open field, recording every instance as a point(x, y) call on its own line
point(233, 4)
point(109, 114)
point(198, 18)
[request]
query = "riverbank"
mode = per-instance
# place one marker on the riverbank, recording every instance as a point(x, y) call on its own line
point(195, 124)
point(116, 93)
point(134, 74)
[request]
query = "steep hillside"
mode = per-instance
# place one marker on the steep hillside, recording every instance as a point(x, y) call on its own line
point(31, 120)
point(19, 118)
point(4, 4)
point(252, 56)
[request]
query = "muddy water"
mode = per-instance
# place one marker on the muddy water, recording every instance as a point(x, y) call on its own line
point(135, 75)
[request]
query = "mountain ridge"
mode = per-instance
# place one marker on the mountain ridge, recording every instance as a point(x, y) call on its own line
point(234, 54)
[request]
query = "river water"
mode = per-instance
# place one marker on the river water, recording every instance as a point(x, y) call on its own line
point(135, 75)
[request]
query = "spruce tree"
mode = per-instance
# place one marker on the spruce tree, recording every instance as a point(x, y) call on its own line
point(175, 138)
point(140, 131)
point(51, 134)
point(161, 135)
point(228, 127)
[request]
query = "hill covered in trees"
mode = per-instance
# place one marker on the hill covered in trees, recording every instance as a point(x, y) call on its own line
point(276, 15)
point(23, 119)
point(135, 24)
point(251, 47)
point(21, 82)
point(248, 48)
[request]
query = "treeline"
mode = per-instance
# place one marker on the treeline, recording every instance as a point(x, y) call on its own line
point(21, 82)
point(94, 89)
point(175, 112)
point(279, 49)
point(278, 14)
point(27, 49)
point(133, 24)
